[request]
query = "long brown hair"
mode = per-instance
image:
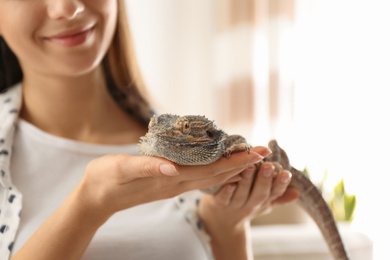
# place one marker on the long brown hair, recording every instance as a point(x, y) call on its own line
point(10, 71)
point(122, 72)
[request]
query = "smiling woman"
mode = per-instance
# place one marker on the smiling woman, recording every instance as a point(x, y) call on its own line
point(73, 185)
point(39, 43)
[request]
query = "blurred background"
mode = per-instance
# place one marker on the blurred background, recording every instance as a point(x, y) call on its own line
point(314, 74)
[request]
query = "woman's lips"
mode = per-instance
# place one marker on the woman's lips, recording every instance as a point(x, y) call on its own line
point(71, 38)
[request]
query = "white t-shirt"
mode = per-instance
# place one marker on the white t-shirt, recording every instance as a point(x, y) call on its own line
point(46, 169)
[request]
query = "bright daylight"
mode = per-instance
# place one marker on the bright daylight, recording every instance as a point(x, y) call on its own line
point(194, 129)
point(312, 74)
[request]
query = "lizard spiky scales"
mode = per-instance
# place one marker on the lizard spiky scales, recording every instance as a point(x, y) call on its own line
point(195, 140)
point(188, 140)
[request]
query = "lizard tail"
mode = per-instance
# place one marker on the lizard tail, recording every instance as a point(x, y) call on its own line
point(312, 202)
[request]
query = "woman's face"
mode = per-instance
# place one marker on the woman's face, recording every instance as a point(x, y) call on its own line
point(58, 37)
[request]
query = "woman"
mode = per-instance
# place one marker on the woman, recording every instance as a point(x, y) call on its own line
point(72, 109)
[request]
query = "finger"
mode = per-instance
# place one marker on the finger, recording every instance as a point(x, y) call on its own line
point(235, 178)
point(280, 184)
point(126, 167)
point(264, 209)
point(243, 190)
point(206, 183)
point(262, 150)
point(289, 195)
point(225, 194)
point(262, 185)
point(155, 167)
point(237, 162)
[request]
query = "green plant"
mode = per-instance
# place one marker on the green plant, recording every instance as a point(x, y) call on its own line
point(341, 203)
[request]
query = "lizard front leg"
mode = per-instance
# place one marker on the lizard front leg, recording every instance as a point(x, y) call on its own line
point(234, 144)
point(237, 143)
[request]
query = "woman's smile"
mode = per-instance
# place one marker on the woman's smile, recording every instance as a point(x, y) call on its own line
point(68, 38)
point(72, 38)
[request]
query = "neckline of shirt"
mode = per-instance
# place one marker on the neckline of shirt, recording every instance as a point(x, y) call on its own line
point(72, 145)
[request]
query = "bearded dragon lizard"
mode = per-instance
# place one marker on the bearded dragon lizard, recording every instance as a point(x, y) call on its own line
point(195, 140)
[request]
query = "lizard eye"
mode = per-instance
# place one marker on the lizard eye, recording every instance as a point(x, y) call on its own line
point(185, 126)
point(209, 134)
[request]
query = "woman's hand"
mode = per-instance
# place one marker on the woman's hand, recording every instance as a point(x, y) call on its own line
point(226, 214)
point(116, 182)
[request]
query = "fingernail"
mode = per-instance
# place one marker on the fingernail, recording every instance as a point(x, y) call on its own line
point(266, 152)
point(286, 177)
point(268, 170)
point(257, 159)
point(168, 169)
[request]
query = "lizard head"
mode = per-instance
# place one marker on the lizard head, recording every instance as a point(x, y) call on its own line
point(185, 128)
point(195, 129)
point(188, 140)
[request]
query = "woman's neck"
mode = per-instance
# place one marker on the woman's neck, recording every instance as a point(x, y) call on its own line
point(78, 108)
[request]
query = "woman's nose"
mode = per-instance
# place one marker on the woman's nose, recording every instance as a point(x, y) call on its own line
point(64, 9)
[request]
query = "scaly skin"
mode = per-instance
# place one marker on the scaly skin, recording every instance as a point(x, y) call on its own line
point(195, 140)
point(311, 200)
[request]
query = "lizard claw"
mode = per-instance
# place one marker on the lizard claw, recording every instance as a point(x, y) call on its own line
point(237, 148)
point(248, 148)
point(227, 153)
point(278, 167)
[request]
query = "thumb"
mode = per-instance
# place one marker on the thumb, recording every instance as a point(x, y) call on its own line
point(225, 194)
point(148, 166)
point(124, 168)
point(168, 169)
